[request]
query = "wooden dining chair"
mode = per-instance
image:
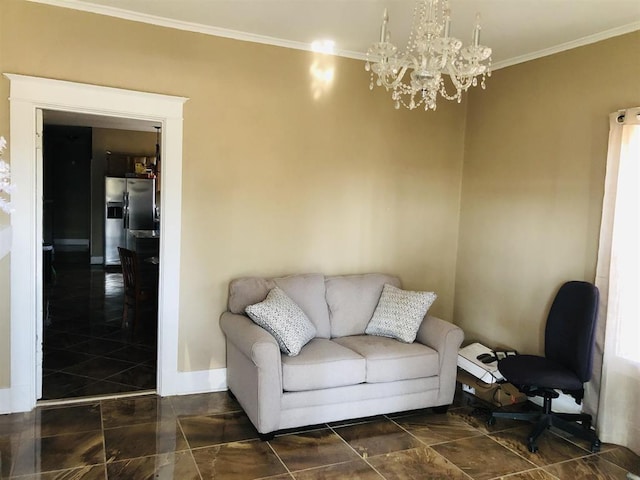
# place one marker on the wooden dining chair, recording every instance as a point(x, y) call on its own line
point(137, 292)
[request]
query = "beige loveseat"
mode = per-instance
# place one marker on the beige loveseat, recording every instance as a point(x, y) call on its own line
point(341, 373)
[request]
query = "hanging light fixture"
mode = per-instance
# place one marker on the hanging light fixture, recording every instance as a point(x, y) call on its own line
point(416, 76)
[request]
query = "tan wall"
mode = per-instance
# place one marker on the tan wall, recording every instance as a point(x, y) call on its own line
point(533, 178)
point(279, 176)
point(115, 141)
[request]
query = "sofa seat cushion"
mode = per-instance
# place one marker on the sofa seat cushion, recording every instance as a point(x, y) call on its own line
point(389, 360)
point(322, 363)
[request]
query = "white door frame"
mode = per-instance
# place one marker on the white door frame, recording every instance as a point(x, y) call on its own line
point(28, 94)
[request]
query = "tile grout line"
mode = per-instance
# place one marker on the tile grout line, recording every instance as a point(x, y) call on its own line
point(354, 450)
point(425, 445)
point(104, 441)
point(193, 458)
point(279, 458)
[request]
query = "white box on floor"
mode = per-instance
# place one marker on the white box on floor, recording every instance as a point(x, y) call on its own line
point(468, 361)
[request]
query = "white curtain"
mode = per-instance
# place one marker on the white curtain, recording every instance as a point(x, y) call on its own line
point(614, 393)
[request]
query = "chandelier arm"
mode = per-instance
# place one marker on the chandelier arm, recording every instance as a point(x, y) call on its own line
point(400, 76)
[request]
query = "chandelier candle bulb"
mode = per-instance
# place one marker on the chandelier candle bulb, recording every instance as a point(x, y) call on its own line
point(476, 31)
point(447, 23)
point(383, 29)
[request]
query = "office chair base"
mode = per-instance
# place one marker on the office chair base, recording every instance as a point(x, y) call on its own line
point(563, 421)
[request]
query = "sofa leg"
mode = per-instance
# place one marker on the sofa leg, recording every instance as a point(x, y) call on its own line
point(442, 409)
point(265, 437)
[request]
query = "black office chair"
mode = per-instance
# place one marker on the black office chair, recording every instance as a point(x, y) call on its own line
point(566, 366)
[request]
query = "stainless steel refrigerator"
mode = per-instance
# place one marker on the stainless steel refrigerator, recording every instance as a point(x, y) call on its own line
point(130, 205)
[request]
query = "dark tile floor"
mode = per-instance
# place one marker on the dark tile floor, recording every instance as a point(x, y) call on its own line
point(207, 436)
point(86, 350)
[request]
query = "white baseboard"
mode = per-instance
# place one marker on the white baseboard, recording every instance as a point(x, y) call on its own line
point(5, 400)
point(201, 381)
point(16, 399)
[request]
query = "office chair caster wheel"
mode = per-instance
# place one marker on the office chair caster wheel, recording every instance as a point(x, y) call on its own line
point(532, 447)
point(595, 446)
point(491, 421)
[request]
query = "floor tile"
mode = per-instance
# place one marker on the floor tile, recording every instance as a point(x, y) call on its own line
point(204, 404)
point(134, 353)
point(593, 467)
point(135, 410)
point(432, 428)
point(423, 462)
point(168, 466)
point(100, 368)
point(85, 323)
point(61, 340)
point(58, 359)
point(312, 449)
point(623, 457)
point(58, 385)
point(208, 430)
point(537, 474)
point(353, 470)
point(238, 461)
point(551, 448)
point(141, 440)
point(59, 452)
point(17, 423)
point(376, 438)
point(94, 472)
point(67, 419)
point(477, 418)
point(482, 457)
point(101, 387)
point(9, 445)
point(584, 444)
point(97, 346)
point(141, 376)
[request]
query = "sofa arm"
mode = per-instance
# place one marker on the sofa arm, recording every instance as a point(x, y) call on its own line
point(254, 370)
point(445, 338)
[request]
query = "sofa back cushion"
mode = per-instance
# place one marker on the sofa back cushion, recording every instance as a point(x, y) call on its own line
point(352, 299)
point(307, 291)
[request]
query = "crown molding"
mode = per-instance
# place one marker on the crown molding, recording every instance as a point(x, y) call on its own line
point(596, 37)
point(263, 39)
point(189, 26)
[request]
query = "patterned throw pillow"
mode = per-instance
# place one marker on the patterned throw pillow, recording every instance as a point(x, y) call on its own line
point(283, 319)
point(399, 313)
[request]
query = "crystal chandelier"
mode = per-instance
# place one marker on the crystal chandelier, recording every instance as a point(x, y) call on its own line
point(430, 55)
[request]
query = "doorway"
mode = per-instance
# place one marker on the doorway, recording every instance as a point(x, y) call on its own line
point(88, 348)
point(27, 96)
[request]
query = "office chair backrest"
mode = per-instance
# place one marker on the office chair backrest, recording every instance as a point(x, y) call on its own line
point(571, 326)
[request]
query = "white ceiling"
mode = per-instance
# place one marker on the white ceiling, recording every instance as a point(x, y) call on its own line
point(516, 30)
